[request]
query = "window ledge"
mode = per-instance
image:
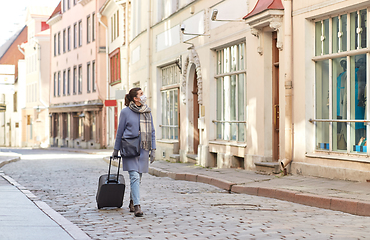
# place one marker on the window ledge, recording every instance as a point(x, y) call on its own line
point(233, 144)
point(167, 141)
point(338, 156)
point(115, 82)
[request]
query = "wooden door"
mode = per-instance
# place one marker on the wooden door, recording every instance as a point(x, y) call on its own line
point(195, 114)
point(275, 98)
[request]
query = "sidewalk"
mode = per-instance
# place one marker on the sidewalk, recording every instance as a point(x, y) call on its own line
point(24, 216)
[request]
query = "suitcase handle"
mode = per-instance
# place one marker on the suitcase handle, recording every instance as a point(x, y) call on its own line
point(110, 163)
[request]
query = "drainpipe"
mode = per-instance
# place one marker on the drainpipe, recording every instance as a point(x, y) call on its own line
point(148, 53)
point(107, 72)
point(288, 84)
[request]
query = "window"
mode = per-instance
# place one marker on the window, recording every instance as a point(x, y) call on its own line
point(69, 4)
point(64, 5)
point(64, 83)
point(93, 26)
point(93, 76)
point(74, 80)
point(341, 83)
point(170, 107)
point(59, 84)
point(136, 18)
point(75, 32)
point(117, 23)
point(88, 27)
point(69, 38)
point(15, 102)
point(115, 71)
point(80, 33)
point(74, 2)
point(64, 41)
point(68, 81)
point(230, 80)
point(55, 45)
point(55, 84)
point(114, 25)
point(79, 79)
point(88, 85)
point(166, 8)
point(58, 43)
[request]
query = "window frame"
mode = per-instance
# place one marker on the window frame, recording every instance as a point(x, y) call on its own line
point(88, 29)
point(80, 79)
point(75, 76)
point(88, 76)
point(68, 81)
point(80, 33)
point(332, 55)
point(115, 66)
point(75, 31)
point(64, 41)
point(59, 43)
point(170, 129)
point(69, 38)
point(224, 125)
point(64, 82)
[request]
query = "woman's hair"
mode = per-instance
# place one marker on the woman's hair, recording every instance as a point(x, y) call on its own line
point(130, 95)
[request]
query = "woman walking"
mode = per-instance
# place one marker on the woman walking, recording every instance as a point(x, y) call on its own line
point(136, 119)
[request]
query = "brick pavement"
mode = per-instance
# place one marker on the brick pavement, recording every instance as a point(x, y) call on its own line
point(181, 209)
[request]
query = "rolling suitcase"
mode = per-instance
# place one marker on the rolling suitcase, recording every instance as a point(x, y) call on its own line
point(111, 188)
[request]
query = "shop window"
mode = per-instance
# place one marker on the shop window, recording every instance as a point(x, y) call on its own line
point(340, 85)
point(170, 104)
point(230, 123)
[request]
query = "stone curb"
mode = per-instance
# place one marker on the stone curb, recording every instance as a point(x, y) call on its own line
point(351, 206)
point(14, 159)
point(73, 230)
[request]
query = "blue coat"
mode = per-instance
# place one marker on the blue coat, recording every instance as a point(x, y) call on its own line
point(128, 126)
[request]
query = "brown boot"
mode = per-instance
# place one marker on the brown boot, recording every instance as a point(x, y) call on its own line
point(138, 212)
point(131, 206)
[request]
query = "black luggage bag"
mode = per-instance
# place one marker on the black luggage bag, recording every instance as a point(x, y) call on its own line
point(111, 188)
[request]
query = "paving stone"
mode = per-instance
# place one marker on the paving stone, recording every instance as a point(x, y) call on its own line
point(68, 183)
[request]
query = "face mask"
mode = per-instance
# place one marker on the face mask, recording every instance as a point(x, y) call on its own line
point(143, 99)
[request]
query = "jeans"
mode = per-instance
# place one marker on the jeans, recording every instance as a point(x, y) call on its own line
point(135, 180)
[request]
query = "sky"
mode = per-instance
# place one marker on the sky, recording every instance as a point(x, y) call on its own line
point(13, 15)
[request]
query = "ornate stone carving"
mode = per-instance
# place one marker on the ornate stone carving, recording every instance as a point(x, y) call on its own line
point(276, 24)
point(194, 59)
point(257, 33)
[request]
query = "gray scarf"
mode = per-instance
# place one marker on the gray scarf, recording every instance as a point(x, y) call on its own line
point(145, 124)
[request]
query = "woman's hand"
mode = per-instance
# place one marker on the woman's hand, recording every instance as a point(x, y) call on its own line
point(152, 156)
point(115, 153)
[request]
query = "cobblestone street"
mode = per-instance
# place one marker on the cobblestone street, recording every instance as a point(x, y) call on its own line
point(67, 182)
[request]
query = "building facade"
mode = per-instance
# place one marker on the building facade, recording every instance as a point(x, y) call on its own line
point(223, 83)
point(77, 76)
point(12, 93)
point(331, 79)
point(114, 15)
point(35, 114)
